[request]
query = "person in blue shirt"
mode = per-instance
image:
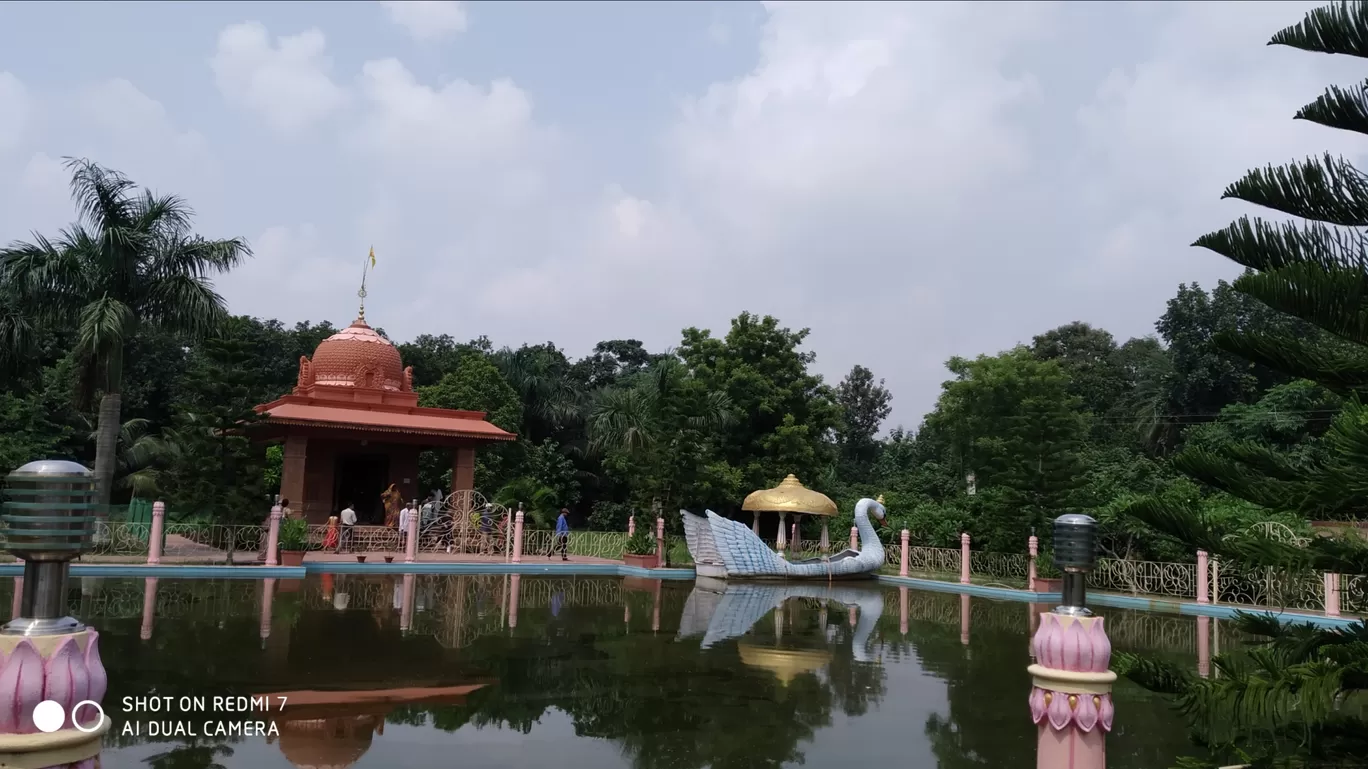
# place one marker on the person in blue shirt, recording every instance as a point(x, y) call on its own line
point(562, 541)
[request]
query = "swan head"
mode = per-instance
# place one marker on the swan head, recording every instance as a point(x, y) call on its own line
point(873, 508)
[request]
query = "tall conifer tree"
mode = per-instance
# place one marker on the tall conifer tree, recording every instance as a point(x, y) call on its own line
point(1296, 699)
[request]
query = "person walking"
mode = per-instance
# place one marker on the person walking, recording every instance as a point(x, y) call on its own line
point(348, 523)
point(562, 536)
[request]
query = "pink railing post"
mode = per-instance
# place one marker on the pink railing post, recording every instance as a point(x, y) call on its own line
point(1202, 576)
point(660, 542)
point(902, 567)
point(154, 544)
point(1070, 700)
point(273, 536)
point(631, 525)
point(964, 558)
point(1032, 551)
point(854, 538)
point(1332, 594)
point(517, 537)
point(411, 540)
point(514, 593)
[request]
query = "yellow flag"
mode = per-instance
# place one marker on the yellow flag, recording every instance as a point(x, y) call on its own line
point(372, 257)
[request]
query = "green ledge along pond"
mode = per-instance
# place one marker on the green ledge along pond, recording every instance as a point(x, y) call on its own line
point(398, 672)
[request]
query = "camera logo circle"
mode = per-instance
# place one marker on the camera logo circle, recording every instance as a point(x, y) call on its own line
point(49, 716)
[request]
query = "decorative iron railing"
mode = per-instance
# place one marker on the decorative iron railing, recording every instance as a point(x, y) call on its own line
point(1145, 577)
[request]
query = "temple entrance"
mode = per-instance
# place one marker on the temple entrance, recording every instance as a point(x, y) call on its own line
point(360, 479)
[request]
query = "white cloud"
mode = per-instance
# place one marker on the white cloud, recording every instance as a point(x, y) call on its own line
point(427, 20)
point(297, 258)
point(1163, 138)
point(128, 115)
point(287, 83)
point(14, 111)
point(458, 127)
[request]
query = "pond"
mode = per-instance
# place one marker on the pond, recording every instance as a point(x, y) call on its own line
point(505, 671)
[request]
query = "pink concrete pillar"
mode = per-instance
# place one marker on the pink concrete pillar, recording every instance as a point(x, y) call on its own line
point(902, 610)
point(964, 558)
point(1032, 552)
point(517, 537)
point(18, 599)
point(854, 538)
point(903, 554)
point(965, 611)
point(154, 539)
point(660, 542)
point(411, 540)
point(273, 536)
point(655, 607)
point(631, 525)
point(1332, 595)
point(1203, 646)
point(514, 593)
point(755, 523)
point(267, 602)
point(406, 602)
point(1202, 576)
point(795, 542)
point(1070, 698)
point(149, 608)
point(781, 538)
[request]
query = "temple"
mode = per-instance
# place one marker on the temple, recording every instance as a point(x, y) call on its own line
point(352, 426)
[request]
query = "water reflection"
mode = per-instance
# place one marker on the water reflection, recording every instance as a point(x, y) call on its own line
point(516, 670)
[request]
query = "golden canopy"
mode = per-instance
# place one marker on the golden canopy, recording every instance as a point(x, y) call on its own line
point(787, 664)
point(789, 496)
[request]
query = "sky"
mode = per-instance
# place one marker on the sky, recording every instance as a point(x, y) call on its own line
point(909, 181)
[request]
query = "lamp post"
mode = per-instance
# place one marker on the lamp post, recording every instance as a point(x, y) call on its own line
point(1071, 688)
point(49, 657)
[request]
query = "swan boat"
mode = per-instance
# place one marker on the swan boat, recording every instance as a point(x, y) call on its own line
point(726, 549)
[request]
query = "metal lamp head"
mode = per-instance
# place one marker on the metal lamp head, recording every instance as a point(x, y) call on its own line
point(1075, 554)
point(49, 515)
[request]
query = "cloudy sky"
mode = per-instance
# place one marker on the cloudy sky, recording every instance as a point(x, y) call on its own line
point(910, 181)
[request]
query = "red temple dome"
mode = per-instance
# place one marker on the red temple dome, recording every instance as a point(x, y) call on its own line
point(356, 356)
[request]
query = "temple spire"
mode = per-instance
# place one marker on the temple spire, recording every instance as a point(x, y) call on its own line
point(361, 294)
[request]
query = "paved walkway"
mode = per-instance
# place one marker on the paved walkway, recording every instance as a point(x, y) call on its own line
point(246, 558)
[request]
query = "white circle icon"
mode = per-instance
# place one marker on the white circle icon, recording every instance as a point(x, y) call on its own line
point(49, 716)
point(98, 721)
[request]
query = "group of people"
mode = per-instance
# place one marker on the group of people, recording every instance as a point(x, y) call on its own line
point(340, 538)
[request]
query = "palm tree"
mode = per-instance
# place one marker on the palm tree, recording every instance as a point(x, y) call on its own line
point(130, 262)
point(652, 415)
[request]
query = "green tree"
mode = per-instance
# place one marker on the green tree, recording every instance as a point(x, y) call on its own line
point(475, 385)
point(217, 471)
point(659, 430)
point(131, 263)
point(1011, 421)
point(790, 416)
point(865, 404)
point(1293, 700)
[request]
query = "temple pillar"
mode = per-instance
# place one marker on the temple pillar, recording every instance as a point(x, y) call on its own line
point(462, 469)
point(292, 472)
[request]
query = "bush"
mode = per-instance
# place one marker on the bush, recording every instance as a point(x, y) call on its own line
point(609, 516)
point(294, 534)
point(641, 543)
